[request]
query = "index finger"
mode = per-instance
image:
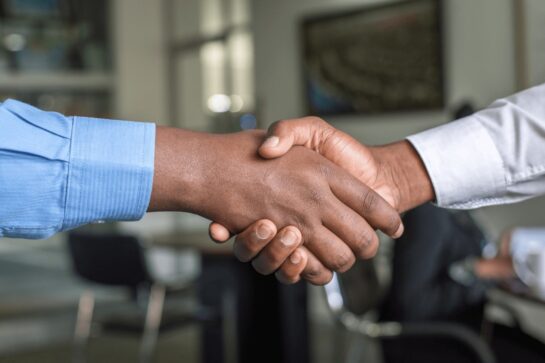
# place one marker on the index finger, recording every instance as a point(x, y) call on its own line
point(366, 202)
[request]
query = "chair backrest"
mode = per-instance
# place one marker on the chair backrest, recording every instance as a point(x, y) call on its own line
point(109, 259)
point(421, 287)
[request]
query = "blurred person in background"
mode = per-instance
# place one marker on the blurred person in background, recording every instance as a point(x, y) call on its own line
point(442, 241)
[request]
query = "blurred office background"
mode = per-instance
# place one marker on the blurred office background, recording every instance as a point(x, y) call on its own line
point(222, 66)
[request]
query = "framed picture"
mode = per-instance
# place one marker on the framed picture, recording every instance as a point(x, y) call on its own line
point(380, 59)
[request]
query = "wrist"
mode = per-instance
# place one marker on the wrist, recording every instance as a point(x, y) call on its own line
point(201, 173)
point(179, 170)
point(401, 168)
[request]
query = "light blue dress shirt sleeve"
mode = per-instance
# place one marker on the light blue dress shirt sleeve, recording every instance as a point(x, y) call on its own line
point(59, 172)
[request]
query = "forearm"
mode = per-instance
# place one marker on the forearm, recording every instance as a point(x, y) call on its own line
point(402, 167)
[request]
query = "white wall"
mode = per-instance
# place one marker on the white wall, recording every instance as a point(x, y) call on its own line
point(535, 14)
point(479, 54)
point(140, 60)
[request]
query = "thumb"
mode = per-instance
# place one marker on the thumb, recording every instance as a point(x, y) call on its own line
point(218, 233)
point(278, 142)
point(283, 135)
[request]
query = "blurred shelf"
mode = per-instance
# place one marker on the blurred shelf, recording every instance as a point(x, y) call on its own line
point(80, 81)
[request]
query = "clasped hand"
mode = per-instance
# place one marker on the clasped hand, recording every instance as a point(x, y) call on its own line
point(343, 200)
point(304, 199)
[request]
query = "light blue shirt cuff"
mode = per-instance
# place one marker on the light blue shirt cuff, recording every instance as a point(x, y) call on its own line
point(111, 171)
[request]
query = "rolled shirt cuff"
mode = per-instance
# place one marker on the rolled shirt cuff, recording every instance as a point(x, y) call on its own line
point(111, 171)
point(463, 163)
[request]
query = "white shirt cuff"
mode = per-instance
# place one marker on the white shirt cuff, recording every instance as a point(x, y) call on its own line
point(463, 163)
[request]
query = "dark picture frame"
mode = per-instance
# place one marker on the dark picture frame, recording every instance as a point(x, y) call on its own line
point(374, 59)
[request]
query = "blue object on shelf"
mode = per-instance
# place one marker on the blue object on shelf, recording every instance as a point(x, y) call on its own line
point(34, 7)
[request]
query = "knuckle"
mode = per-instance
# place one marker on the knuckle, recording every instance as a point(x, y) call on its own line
point(366, 242)
point(371, 252)
point(370, 201)
point(371, 248)
point(278, 125)
point(345, 218)
point(323, 279)
point(302, 223)
point(316, 120)
point(324, 129)
point(342, 262)
point(316, 196)
point(312, 272)
point(325, 169)
point(394, 221)
point(298, 225)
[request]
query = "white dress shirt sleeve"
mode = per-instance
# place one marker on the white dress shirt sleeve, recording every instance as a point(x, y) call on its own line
point(496, 156)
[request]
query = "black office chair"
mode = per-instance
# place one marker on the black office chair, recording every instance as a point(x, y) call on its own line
point(117, 260)
point(352, 297)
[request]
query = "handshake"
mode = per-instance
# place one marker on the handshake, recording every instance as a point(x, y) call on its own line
point(304, 199)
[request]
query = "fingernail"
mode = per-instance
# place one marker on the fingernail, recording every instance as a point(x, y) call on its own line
point(263, 232)
point(399, 231)
point(288, 239)
point(295, 258)
point(271, 142)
